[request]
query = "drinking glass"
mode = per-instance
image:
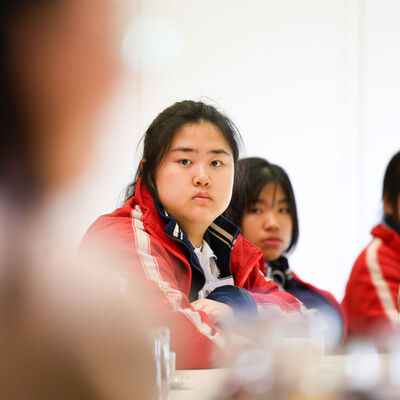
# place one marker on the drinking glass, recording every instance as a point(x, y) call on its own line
point(161, 351)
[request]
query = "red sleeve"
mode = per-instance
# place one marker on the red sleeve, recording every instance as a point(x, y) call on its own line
point(197, 342)
point(370, 301)
point(247, 264)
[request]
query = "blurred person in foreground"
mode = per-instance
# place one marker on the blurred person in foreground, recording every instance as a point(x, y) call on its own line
point(65, 331)
point(264, 206)
point(371, 300)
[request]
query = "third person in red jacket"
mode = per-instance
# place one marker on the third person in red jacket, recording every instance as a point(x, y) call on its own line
point(372, 292)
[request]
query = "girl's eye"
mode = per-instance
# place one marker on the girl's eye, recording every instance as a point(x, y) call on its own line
point(284, 210)
point(255, 210)
point(185, 161)
point(216, 163)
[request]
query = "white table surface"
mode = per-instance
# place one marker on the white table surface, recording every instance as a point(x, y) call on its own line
point(207, 383)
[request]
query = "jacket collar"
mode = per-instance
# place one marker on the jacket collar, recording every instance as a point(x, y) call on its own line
point(221, 235)
point(279, 271)
point(389, 235)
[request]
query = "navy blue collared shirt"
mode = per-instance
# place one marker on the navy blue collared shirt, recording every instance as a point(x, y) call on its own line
point(220, 236)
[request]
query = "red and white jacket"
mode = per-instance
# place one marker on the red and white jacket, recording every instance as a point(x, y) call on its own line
point(135, 235)
point(371, 299)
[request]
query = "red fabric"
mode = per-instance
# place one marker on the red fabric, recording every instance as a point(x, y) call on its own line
point(135, 237)
point(247, 264)
point(371, 298)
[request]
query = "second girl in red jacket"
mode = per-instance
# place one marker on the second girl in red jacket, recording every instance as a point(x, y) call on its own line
point(264, 207)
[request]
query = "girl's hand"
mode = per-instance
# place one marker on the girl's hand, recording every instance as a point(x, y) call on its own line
point(217, 312)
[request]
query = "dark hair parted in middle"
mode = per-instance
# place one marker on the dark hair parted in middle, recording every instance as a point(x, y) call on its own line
point(159, 135)
point(258, 172)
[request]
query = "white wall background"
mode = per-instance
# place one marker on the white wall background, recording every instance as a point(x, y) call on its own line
point(313, 85)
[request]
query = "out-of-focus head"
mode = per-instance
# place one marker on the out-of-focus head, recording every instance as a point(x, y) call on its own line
point(59, 61)
point(391, 188)
point(69, 333)
point(159, 135)
point(265, 207)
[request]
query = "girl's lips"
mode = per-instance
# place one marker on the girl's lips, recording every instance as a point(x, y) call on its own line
point(272, 242)
point(201, 197)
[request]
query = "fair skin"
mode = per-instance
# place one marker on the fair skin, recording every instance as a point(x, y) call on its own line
point(62, 76)
point(216, 311)
point(194, 180)
point(268, 223)
point(64, 58)
point(194, 183)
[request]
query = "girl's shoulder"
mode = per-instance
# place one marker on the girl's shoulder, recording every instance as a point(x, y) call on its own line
point(246, 255)
point(386, 238)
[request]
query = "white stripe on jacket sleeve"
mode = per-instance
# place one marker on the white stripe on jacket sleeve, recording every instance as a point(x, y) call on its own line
point(379, 282)
point(150, 267)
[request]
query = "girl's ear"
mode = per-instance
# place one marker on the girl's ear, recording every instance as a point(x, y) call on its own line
point(387, 205)
point(148, 177)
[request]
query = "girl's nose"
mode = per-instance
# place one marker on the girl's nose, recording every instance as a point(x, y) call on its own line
point(270, 221)
point(201, 178)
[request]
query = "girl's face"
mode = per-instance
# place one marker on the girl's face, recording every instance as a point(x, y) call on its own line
point(268, 223)
point(195, 178)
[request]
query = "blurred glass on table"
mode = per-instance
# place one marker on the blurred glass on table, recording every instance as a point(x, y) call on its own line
point(282, 360)
point(161, 352)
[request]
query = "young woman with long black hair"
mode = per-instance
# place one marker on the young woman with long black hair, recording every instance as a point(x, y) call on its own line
point(171, 236)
